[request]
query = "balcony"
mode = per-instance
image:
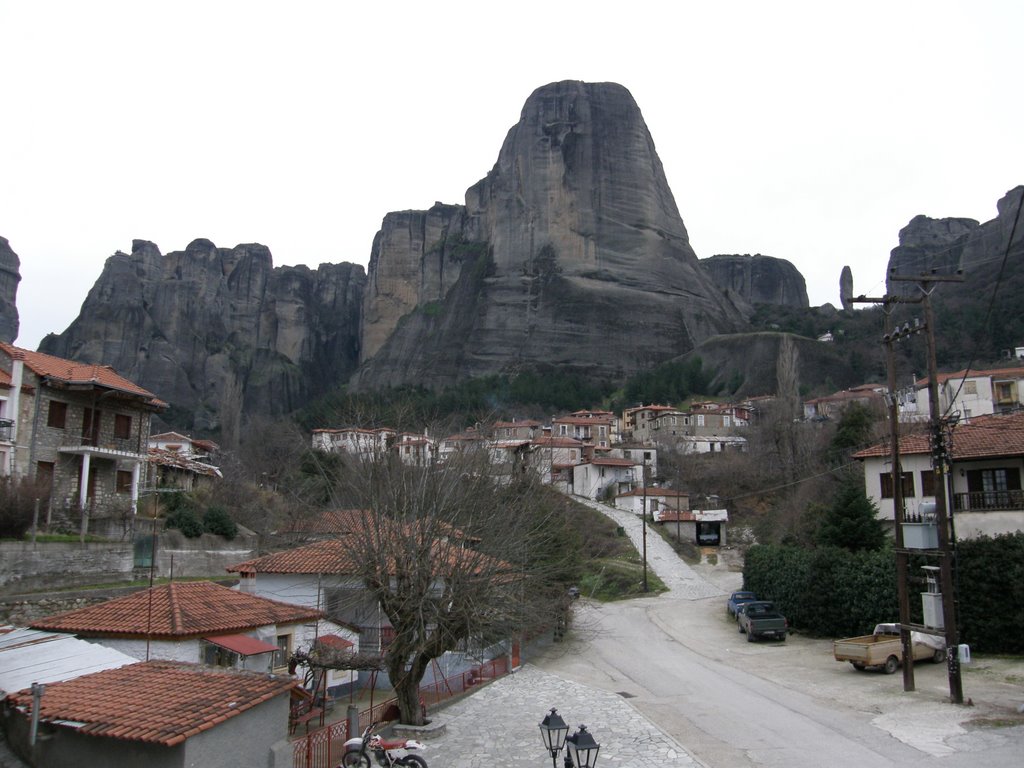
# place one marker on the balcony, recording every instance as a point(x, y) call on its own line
point(6, 426)
point(988, 501)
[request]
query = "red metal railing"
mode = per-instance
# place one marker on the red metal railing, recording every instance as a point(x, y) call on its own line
point(324, 748)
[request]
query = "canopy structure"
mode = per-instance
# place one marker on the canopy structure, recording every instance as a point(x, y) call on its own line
point(243, 645)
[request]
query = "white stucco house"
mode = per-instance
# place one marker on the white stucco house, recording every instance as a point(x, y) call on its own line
point(987, 460)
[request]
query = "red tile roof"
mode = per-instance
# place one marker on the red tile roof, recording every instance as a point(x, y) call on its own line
point(157, 702)
point(609, 461)
point(335, 557)
point(981, 437)
point(243, 644)
point(71, 372)
point(335, 641)
point(178, 610)
point(331, 522)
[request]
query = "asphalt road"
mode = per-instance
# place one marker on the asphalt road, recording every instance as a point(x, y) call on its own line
point(731, 704)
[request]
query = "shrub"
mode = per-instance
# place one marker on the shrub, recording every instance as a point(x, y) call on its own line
point(185, 520)
point(217, 521)
point(834, 592)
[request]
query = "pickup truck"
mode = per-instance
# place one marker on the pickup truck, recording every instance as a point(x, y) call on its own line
point(736, 601)
point(760, 618)
point(882, 648)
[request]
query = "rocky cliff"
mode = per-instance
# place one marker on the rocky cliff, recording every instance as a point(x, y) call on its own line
point(10, 276)
point(570, 252)
point(219, 332)
point(758, 279)
point(946, 245)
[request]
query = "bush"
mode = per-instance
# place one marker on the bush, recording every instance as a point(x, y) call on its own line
point(217, 521)
point(991, 577)
point(833, 592)
point(17, 499)
point(185, 520)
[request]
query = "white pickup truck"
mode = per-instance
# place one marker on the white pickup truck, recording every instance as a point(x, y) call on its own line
point(882, 648)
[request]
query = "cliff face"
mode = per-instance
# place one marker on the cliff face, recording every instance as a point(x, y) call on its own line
point(10, 276)
point(946, 245)
point(569, 252)
point(758, 279)
point(219, 332)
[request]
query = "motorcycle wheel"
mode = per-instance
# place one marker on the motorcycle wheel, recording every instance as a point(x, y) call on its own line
point(355, 759)
point(413, 761)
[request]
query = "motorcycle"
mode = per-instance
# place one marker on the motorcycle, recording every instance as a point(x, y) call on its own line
point(388, 753)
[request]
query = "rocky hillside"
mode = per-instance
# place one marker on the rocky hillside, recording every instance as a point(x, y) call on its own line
point(219, 332)
point(10, 276)
point(758, 279)
point(570, 252)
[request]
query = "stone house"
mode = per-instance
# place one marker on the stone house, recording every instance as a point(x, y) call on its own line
point(79, 430)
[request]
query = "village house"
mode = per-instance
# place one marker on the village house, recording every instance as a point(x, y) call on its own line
point(522, 429)
point(973, 393)
point(986, 461)
point(638, 422)
point(598, 428)
point(159, 714)
point(354, 440)
point(322, 575)
point(198, 622)
point(177, 461)
point(605, 477)
point(703, 527)
point(651, 500)
point(553, 458)
point(81, 431)
point(831, 406)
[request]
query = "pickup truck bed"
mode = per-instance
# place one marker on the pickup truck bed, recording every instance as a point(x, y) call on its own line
point(882, 649)
point(761, 618)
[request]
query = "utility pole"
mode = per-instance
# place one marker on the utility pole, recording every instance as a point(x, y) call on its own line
point(644, 518)
point(890, 338)
point(940, 465)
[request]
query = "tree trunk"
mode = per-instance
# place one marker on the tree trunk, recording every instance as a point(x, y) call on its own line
point(407, 689)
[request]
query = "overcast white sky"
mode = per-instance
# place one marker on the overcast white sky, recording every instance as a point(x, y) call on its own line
point(810, 131)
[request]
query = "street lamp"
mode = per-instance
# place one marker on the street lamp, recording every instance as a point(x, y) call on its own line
point(581, 749)
point(553, 731)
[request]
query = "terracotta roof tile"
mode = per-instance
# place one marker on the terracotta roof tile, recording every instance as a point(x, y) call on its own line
point(328, 556)
point(158, 702)
point(981, 437)
point(176, 611)
point(71, 372)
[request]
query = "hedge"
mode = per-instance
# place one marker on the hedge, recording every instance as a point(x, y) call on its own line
point(832, 592)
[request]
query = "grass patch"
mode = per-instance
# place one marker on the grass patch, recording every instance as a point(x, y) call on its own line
point(610, 579)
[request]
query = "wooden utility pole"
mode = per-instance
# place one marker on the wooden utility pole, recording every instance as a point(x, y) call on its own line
point(890, 338)
point(940, 465)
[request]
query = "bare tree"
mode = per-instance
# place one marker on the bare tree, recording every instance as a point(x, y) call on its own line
point(451, 557)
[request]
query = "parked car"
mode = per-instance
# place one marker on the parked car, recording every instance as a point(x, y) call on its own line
point(760, 618)
point(882, 648)
point(736, 599)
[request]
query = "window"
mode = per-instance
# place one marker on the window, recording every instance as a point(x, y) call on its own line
point(283, 652)
point(927, 482)
point(908, 485)
point(57, 414)
point(124, 481)
point(122, 426)
point(970, 387)
point(91, 426)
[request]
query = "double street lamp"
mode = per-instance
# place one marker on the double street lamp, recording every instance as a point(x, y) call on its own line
point(580, 748)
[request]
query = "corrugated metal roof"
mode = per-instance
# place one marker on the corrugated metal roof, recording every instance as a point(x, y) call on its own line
point(32, 656)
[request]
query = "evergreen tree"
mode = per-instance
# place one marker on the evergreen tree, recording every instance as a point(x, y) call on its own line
point(851, 522)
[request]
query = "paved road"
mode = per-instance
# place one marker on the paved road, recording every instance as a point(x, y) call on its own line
point(667, 681)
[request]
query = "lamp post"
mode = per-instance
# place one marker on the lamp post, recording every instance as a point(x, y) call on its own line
point(581, 748)
point(643, 517)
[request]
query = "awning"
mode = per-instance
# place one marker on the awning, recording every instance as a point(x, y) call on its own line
point(243, 645)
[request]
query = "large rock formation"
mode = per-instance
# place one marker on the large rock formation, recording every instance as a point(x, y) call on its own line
point(10, 276)
point(946, 245)
point(758, 279)
point(570, 252)
point(217, 332)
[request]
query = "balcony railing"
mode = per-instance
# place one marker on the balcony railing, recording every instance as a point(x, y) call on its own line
point(6, 426)
point(988, 501)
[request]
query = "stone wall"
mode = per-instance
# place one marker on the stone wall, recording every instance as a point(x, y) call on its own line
point(27, 567)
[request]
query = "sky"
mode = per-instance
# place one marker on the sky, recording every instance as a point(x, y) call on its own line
point(809, 131)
